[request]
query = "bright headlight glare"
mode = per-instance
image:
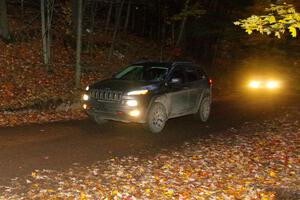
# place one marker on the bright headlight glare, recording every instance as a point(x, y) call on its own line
point(132, 103)
point(134, 113)
point(85, 97)
point(87, 88)
point(137, 92)
point(272, 84)
point(254, 84)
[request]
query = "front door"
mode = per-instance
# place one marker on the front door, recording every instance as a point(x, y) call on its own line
point(196, 84)
point(179, 94)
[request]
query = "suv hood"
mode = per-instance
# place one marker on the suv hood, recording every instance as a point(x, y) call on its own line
point(124, 85)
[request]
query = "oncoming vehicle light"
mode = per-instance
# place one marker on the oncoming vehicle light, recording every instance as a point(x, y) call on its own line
point(272, 84)
point(87, 88)
point(254, 84)
point(137, 92)
point(85, 97)
point(134, 113)
point(132, 103)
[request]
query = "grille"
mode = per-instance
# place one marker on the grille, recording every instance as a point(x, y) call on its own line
point(106, 95)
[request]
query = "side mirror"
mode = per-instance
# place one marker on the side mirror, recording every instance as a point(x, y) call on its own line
point(175, 81)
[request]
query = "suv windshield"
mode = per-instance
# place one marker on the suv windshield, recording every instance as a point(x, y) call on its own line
point(143, 73)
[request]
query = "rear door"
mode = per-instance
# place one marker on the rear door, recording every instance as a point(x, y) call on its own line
point(195, 83)
point(179, 93)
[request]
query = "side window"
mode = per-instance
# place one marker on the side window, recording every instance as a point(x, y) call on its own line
point(192, 75)
point(201, 73)
point(178, 73)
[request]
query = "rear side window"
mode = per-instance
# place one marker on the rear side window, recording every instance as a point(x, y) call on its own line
point(192, 75)
point(202, 74)
point(178, 73)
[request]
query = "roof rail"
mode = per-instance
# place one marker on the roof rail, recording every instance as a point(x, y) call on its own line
point(181, 62)
point(144, 60)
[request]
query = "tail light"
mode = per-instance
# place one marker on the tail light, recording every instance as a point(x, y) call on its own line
point(210, 81)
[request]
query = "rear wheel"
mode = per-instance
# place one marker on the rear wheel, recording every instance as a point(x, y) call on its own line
point(157, 118)
point(204, 109)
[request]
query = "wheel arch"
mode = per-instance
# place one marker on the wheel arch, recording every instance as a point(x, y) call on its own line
point(162, 99)
point(205, 93)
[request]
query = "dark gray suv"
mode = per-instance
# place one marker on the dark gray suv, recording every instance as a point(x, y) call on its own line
point(150, 93)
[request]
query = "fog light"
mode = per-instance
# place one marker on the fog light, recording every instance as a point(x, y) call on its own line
point(85, 97)
point(254, 84)
point(131, 103)
point(84, 106)
point(272, 84)
point(134, 113)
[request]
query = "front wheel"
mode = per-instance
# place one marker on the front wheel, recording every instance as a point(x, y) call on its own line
point(98, 119)
point(204, 109)
point(157, 118)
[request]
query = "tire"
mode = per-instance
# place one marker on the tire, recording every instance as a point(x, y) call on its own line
point(204, 109)
point(157, 118)
point(98, 119)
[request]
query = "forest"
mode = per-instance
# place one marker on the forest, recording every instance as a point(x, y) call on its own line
point(49, 47)
point(230, 137)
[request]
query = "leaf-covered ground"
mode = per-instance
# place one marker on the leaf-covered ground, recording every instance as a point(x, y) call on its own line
point(26, 84)
point(259, 160)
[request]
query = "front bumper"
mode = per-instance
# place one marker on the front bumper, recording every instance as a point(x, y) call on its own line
point(116, 111)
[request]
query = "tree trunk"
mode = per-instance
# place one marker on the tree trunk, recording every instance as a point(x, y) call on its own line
point(144, 21)
point(22, 8)
point(46, 16)
point(162, 42)
point(108, 16)
point(4, 32)
point(127, 15)
point(117, 25)
point(92, 24)
point(78, 44)
point(44, 37)
point(49, 16)
point(133, 19)
point(74, 16)
point(173, 33)
point(117, 10)
point(182, 26)
point(159, 21)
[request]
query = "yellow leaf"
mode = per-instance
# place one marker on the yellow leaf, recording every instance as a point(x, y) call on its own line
point(249, 31)
point(273, 174)
point(272, 19)
point(170, 192)
point(277, 34)
point(148, 191)
point(115, 192)
point(33, 174)
point(83, 196)
point(293, 31)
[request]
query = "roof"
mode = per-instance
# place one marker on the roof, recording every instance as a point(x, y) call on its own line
point(165, 64)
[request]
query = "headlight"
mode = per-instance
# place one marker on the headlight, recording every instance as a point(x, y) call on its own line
point(87, 88)
point(137, 92)
point(134, 113)
point(132, 103)
point(254, 84)
point(272, 84)
point(85, 97)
